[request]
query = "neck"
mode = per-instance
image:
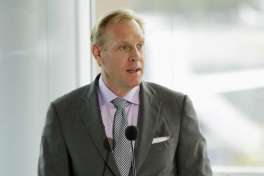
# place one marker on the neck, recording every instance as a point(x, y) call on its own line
point(117, 90)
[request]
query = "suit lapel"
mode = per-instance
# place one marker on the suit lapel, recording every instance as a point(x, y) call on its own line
point(149, 111)
point(91, 116)
point(148, 117)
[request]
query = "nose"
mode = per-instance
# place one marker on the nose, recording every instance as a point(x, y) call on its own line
point(135, 55)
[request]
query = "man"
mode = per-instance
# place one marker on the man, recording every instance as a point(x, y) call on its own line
point(84, 134)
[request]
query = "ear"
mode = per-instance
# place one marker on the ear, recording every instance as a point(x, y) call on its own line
point(96, 51)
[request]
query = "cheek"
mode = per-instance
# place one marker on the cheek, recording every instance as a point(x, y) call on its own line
point(107, 61)
point(112, 65)
point(142, 60)
point(115, 62)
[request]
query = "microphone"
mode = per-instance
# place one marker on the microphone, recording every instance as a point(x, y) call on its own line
point(107, 145)
point(131, 135)
point(108, 149)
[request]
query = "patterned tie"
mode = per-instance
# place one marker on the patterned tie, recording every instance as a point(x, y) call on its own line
point(121, 146)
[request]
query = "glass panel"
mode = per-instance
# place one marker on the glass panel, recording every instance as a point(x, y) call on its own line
point(213, 51)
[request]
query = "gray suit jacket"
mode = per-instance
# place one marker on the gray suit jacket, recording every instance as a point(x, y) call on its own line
point(73, 141)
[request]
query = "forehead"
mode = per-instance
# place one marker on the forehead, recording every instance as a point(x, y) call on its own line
point(124, 31)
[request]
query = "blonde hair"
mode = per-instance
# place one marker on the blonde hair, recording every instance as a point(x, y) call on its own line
point(97, 34)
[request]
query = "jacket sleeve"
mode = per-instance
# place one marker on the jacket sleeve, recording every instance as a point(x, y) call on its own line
point(53, 159)
point(191, 156)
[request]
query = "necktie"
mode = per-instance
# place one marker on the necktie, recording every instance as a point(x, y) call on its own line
point(121, 146)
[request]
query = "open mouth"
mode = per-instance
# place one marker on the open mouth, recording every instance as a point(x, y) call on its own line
point(133, 70)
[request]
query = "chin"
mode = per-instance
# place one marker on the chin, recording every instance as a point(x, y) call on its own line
point(134, 83)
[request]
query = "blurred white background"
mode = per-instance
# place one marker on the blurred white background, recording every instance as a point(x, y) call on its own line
point(212, 50)
point(43, 44)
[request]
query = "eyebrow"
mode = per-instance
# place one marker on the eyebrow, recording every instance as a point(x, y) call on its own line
point(127, 42)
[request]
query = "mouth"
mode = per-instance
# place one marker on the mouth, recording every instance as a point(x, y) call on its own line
point(135, 70)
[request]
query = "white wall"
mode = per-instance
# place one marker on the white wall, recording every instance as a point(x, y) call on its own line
point(40, 55)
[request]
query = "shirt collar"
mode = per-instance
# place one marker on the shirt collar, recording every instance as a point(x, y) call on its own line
point(107, 95)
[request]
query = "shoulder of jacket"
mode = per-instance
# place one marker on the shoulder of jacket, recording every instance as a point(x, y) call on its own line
point(160, 90)
point(72, 96)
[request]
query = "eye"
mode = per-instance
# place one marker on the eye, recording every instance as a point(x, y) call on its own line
point(139, 46)
point(125, 48)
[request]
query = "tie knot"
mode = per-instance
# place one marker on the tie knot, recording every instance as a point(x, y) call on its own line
point(119, 103)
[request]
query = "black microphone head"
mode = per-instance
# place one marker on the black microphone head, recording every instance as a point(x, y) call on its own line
point(131, 133)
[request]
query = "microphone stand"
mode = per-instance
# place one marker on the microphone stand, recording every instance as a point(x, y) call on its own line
point(133, 162)
point(131, 135)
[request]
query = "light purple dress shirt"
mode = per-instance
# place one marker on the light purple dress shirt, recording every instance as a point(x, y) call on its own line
point(105, 96)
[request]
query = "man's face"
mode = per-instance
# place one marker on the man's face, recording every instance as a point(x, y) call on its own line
point(121, 58)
